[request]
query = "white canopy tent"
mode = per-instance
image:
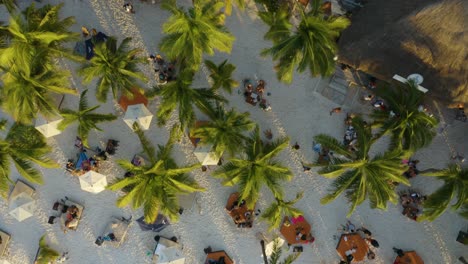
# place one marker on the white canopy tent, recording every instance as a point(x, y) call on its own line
point(205, 155)
point(22, 206)
point(93, 182)
point(168, 252)
point(48, 127)
point(140, 114)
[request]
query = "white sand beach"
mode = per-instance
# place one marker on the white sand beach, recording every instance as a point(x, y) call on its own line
point(298, 110)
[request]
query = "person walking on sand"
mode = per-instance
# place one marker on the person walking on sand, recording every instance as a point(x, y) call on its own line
point(335, 110)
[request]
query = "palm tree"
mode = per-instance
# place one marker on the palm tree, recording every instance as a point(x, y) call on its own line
point(10, 5)
point(155, 185)
point(221, 75)
point(86, 119)
point(230, 3)
point(180, 94)
point(22, 145)
point(38, 31)
point(46, 254)
point(257, 166)
point(225, 131)
point(278, 22)
point(311, 46)
point(115, 67)
point(359, 175)
point(411, 128)
point(276, 255)
point(275, 213)
point(455, 186)
point(191, 33)
point(27, 91)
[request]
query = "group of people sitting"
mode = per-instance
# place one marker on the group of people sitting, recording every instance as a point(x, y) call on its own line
point(254, 96)
point(165, 72)
point(85, 164)
point(72, 216)
point(411, 202)
point(412, 170)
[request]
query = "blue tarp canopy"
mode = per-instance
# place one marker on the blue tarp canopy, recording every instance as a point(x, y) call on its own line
point(158, 225)
point(82, 158)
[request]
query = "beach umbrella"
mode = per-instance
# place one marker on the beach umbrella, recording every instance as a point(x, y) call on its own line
point(140, 114)
point(22, 207)
point(93, 182)
point(206, 156)
point(48, 128)
point(158, 225)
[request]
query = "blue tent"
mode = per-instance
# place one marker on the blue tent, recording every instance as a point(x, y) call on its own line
point(82, 157)
point(158, 225)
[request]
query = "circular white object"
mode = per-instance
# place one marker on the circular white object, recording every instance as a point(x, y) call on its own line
point(416, 77)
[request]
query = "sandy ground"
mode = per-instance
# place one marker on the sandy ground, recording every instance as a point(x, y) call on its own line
point(297, 111)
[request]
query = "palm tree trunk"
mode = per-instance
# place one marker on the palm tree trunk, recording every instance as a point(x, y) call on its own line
point(265, 259)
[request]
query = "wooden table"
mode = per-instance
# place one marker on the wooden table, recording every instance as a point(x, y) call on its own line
point(241, 214)
point(410, 257)
point(289, 232)
point(350, 242)
point(217, 255)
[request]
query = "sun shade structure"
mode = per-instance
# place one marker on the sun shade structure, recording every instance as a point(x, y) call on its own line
point(5, 238)
point(22, 207)
point(427, 37)
point(409, 257)
point(48, 126)
point(138, 98)
point(352, 244)
point(217, 255)
point(158, 225)
point(290, 227)
point(168, 252)
point(206, 156)
point(116, 230)
point(93, 182)
point(140, 114)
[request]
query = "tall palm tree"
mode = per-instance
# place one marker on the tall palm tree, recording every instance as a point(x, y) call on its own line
point(27, 91)
point(311, 46)
point(86, 119)
point(115, 67)
point(455, 186)
point(180, 94)
point(225, 131)
point(37, 31)
point(46, 254)
point(155, 185)
point(279, 23)
point(411, 129)
point(10, 5)
point(276, 255)
point(222, 75)
point(194, 32)
point(361, 176)
point(275, 213)
point(256, 167)
point(22, 145)
point(230, 3)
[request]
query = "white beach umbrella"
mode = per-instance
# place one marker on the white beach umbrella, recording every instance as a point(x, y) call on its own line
point(48, 127)
point(171, 255)
point(206, 156)
point(22, 207)
point(140, 114)
point(93, 182)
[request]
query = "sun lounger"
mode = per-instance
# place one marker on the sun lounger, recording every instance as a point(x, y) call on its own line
point(115, 231)
point(73, 225)
point(4, 238)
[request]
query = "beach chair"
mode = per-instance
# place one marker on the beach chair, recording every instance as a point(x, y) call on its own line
point(4, 239)
point(115, 231)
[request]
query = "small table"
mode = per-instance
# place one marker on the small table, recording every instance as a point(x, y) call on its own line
point(289, 230)
point(352, 244)
point(240, 214)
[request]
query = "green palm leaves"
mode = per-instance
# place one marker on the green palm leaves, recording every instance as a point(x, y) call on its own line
point(46, 254)
point(155, 185)
point(276, 255)
point(9, 4)
point(180, 94)
point(115, 67)
point(311, 46)
point(23, 145)
point(86, 119)
point(225, 131)
point(359, 176)
point(275, 213)
point(410, 128)
point(191, 33)
point(221, 75)
point(256, 167)
point(455, 186)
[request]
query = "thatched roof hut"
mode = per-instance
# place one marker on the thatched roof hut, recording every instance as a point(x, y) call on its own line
point(403, 37)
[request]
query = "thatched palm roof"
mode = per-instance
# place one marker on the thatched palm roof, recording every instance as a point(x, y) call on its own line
point(402, 37)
